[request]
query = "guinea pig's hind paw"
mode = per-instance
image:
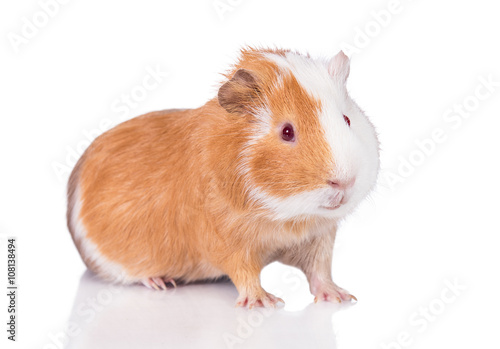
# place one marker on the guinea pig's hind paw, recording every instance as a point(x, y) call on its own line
point(158, 283)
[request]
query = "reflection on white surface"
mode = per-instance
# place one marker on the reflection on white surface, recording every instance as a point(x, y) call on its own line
point(191, 316)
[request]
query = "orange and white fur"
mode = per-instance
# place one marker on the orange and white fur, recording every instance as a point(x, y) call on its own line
point(263, 172)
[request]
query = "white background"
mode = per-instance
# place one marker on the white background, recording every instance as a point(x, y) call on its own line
point(425, 227)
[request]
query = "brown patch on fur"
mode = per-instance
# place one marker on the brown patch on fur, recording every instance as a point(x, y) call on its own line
point(238, 94)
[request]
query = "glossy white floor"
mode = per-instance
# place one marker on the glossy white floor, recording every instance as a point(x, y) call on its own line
point(419, 285)
point(421, 254)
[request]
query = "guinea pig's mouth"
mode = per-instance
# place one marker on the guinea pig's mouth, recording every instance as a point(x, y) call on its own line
point(334, 201)
point(331, 207)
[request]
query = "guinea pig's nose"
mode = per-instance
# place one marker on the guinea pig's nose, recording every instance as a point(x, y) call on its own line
point(342, 184)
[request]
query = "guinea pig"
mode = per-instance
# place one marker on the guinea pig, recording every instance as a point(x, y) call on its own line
point(262, 172)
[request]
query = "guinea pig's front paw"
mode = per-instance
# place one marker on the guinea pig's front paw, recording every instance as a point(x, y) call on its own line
point(328, 291)
point(258, 299)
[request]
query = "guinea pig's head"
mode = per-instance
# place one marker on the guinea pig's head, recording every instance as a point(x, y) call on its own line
point(310, 149)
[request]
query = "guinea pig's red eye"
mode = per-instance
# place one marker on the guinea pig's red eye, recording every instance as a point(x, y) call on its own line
point(347, 120)
point(287, 133)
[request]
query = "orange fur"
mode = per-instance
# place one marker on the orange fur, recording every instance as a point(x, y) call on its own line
point(163, 194)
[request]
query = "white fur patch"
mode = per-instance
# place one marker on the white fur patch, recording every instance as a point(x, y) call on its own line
point(89, 250)
point(305, 204)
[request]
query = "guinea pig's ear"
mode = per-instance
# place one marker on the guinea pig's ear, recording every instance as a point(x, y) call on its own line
point(241, 94)
point(339, 66)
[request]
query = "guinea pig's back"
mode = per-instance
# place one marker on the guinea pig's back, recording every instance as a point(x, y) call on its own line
point(124, 198)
